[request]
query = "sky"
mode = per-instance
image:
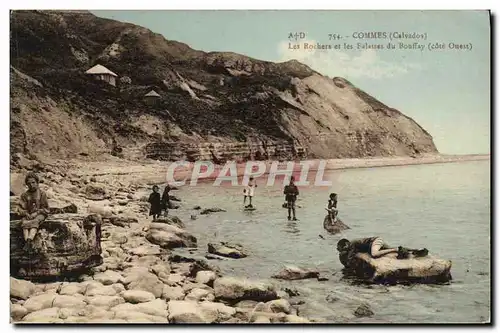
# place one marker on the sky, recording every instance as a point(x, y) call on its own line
point(447, 91)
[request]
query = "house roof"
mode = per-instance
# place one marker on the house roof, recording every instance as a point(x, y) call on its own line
point(100, 69)
point(152, 93)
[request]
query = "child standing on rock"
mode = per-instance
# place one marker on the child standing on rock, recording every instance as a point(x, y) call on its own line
point(155, 201)
point(332, 207)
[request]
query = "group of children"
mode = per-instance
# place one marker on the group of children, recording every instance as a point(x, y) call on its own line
point(159, 203)
point(291, 193)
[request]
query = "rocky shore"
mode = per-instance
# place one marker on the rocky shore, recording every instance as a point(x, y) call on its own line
point(140, 279)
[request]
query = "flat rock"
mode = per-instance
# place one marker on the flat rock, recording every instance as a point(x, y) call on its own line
point(389, 269)
point(238, 289)
point(105, 301)
point(228, 250)
point(137, 296)
point(46, 315)
point(156, 307)
point(69, 301)
point(108, 277)
point(291, 272)
point(169, 236)
point(334, 228)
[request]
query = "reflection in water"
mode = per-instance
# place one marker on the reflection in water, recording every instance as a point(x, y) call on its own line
point(291, 228)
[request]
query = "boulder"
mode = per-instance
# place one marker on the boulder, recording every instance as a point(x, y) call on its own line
point(185, 312)
point(336, 227)
point(21, 288)
point(17, 311)
point(198, 263)
point(137, 296)
point(146, 282)
point(169, 236)
point(198, 294)
point(72, 288)
point(120, 221)
point(291, 272)
point(156, 307)
point(40, 302)
point(278, 305)
point(363, 310)
point(389, 269)
point(206, 277)
point(172, 293)
point(46, 315)
point(175, 279)
point(199, 312)
point(69, 301)
point(228, 250)
point(172, 220)
point(64, 245)
point(105, 301)
point(95, 193)
point(236, 289)
point(108, 277)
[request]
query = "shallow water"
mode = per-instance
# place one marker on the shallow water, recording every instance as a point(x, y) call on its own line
point(444, 207)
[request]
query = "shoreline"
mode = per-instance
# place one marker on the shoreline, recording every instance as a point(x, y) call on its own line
point(149, 171)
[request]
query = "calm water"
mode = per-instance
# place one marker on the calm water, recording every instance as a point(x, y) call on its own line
point(444, 207)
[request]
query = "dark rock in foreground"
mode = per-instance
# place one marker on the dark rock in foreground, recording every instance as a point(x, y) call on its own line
point(64, 245)
point(363, 310)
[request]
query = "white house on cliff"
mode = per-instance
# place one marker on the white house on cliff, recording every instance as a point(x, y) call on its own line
point(101, 73)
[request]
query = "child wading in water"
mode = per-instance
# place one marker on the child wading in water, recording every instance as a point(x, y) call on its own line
point(249, 192)
point(155, 201)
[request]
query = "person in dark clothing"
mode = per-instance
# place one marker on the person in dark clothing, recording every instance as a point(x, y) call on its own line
point(376, 247)
point(291, 192)
point(165, 199)
point(332, 207)
point(155, 201)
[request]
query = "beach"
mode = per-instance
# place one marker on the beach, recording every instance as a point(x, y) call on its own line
point(183, 285)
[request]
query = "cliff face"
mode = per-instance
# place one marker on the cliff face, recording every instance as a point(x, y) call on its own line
point(213, 105)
